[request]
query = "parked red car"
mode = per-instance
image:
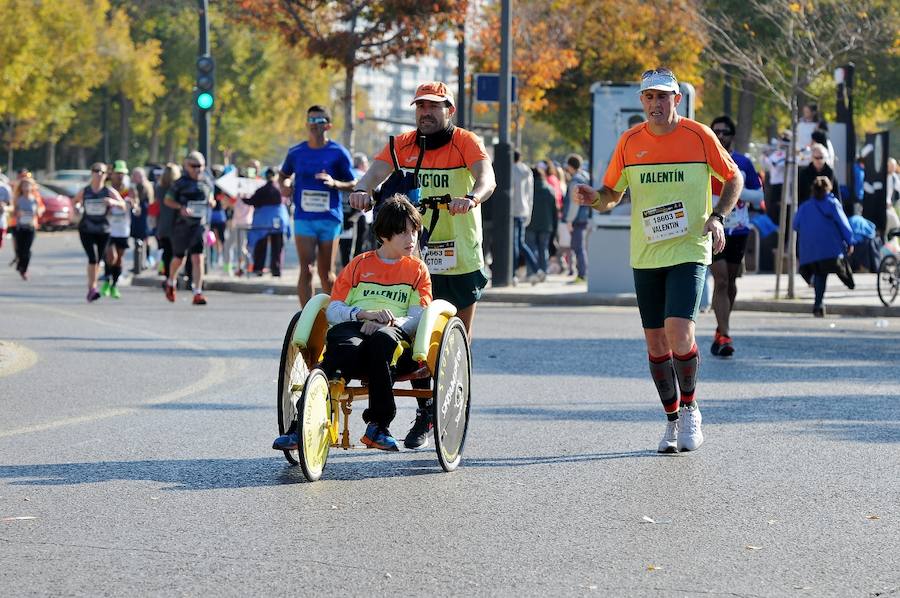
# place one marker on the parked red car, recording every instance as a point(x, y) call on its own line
point(58, 209)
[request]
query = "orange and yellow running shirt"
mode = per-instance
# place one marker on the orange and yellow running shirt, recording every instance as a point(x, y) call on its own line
point(670, 191)
point(372, 284)
point(455, 244)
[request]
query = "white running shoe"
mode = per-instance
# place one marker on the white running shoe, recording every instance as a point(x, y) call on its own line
point(670, 438)
point(690, 435)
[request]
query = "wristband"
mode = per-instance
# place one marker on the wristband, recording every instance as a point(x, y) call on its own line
point(354, 314)
point(360, 191)
point(718, 217)
point(472, 197)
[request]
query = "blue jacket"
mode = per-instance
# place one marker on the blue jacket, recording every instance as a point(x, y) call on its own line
point(823, 230)
point(268, 220)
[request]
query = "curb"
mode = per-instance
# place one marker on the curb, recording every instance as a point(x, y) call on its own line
point(790, 306)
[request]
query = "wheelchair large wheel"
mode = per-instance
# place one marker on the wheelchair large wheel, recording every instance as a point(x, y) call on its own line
point(452, 394)
point(314, 425)
point(888, 280)
point(292, 373)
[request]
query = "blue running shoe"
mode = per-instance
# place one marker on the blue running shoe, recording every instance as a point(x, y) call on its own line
point(286, 442)
point(379, 438)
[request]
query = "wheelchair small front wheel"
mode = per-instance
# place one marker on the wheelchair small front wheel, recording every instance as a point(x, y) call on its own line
point(314, 424)
point(452, 395)
point(292, 373)
point(888, 280)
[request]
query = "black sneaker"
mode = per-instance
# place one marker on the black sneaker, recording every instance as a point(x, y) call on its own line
point(417, 437)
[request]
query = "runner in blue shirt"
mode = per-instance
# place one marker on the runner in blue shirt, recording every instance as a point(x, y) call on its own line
point(726, 265)
point(321, 168)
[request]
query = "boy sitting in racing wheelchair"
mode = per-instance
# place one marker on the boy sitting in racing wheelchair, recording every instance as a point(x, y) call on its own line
point(376, 303)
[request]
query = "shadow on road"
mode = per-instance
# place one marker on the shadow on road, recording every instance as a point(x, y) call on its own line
point(859, 418)
point(218, 474)
point(795, 357)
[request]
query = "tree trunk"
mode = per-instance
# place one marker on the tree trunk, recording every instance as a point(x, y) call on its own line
point(10, 152)
point(154, 135)
point(746, 104)
point(50, 164)
point(349, 109)
point(80, 158)
point(170, 146)
point(124, 129)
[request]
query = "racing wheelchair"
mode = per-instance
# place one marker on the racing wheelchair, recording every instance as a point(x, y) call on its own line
point(315, 404)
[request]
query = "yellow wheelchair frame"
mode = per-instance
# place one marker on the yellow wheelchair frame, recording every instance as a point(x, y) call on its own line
point(307, 398)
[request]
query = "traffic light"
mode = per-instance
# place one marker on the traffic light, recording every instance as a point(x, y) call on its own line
point(205, 82)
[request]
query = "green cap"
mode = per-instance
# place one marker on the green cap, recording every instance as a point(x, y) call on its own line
point(120, 166)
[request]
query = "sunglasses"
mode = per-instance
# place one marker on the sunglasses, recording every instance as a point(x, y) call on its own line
point(818, 157)
point(317, 120)
point(98, 171)
point(723, 132)
point(194, 165)
point(661, 71)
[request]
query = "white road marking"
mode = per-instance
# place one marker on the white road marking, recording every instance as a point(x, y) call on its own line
point(215, 375)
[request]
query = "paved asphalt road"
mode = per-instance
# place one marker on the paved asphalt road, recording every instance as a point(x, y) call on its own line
point(135, 459)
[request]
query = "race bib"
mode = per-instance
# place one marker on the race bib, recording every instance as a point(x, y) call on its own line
point(665, 222)
point(739, 217)
point(315, 201)
point(198, 207)
point(441, 256)
point(95, 207)
point(117, 216)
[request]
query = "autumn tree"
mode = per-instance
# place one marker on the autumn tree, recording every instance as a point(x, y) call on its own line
point(616, 40)
point(542, 51)
point(787, 45)
point(354, 33)
point(45, 81)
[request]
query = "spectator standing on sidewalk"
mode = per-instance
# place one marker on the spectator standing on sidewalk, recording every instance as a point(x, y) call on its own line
point(816, 168)
point(270, 225)
point(577, 216)
point(543, 219)
point(522, 200)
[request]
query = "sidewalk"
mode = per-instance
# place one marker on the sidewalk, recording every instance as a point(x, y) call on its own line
point(756, 292)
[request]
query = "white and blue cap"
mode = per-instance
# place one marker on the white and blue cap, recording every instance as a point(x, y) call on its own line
point(660, 79)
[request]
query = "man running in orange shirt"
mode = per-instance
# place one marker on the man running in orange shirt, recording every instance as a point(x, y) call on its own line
point(667, 162)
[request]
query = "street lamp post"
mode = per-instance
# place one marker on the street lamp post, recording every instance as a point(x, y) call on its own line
point(502, 266)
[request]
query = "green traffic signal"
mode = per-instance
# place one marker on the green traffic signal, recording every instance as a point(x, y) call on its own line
point(205, 100)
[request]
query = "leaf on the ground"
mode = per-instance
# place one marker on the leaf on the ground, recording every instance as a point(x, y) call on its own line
point(387, 575)
point(752, 547)
point(772, 521)
point(20, 518)
point(654, 567)
point(646, 519)
point(802, 587)
point(873, 517)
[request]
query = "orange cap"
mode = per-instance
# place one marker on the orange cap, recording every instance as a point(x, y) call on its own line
point(435, 91)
